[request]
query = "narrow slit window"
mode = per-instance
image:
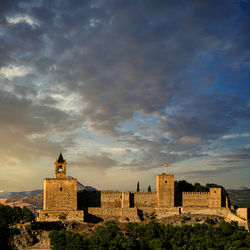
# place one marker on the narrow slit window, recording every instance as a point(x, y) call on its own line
point(166, 181)
point(60, 188)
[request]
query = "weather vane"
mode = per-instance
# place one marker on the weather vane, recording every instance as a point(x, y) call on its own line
point(166, 164)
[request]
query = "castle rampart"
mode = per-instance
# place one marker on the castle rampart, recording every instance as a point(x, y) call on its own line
point(195, 199)
point(63, 202)
point(111, 199)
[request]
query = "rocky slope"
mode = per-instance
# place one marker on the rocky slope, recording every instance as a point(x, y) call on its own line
point(36, 235)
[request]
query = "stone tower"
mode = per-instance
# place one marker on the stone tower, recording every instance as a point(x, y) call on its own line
point(215, 197)
point(60, 196)
point(165, 190)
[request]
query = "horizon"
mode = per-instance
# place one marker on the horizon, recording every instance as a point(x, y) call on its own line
point(121, 88)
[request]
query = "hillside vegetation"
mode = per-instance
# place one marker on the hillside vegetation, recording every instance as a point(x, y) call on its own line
point(10, 216)
point(155, 236)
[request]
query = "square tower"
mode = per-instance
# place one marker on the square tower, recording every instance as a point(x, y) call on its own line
point(60, 196)
point(215, 197)
point(165, 190)
point(60, 193)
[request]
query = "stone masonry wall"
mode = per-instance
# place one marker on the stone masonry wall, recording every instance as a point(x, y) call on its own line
point(243, 213)
point(111, 199)
point(60, 194)
point(127, 214)
point(145, 200)
point(48, 215)
point(195, 199)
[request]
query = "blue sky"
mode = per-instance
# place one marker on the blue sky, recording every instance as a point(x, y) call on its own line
point(121, 87)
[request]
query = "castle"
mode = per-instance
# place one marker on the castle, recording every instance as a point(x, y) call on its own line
point(63, 202)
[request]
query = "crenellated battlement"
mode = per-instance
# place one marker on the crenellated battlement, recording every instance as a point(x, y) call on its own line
point(142, 192)
point(196, 193)
point(110, 191)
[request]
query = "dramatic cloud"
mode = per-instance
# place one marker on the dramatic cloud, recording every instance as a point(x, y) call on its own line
point(124, 85)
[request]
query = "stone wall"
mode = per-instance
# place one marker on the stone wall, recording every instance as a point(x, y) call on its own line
point(243, 213)
point(195, 199)
point(212, 198)
point(145, 199)
point(48, 215)
point(111, 199)
point(126, 200)
point(126, 214)
point(224, 212)
point(60, 194)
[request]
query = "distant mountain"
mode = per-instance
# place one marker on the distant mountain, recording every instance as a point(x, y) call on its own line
point(81, 188)
point(22, 193)
point(240, 188)
point(240, 197)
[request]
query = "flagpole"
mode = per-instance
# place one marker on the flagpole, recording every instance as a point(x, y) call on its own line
point(166, 165)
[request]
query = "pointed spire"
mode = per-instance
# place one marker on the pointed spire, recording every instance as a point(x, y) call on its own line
point(60, 159)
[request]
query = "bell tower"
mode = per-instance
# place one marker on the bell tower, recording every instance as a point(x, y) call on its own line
point(60, 167)
point(60, 196)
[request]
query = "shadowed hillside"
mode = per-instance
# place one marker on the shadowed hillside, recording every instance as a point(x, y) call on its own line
point(240, 198)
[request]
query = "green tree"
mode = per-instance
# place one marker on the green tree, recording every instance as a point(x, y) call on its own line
point(27, 215)
point(138, 187)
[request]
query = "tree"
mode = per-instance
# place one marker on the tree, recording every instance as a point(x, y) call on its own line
point(27, 215)
point(138, 187)
point(149, 188)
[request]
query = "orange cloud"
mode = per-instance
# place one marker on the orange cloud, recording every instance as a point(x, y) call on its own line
point(188, 139)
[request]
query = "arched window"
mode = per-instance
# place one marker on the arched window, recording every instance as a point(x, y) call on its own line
point(60, 168)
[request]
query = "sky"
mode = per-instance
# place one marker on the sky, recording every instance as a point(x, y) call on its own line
point(122, 86)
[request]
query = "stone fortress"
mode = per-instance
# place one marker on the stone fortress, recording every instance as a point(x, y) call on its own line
point(63, 202)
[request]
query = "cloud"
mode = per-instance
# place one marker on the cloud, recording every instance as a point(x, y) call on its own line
point(187, 139)
point(13, 71)
point(100, 162)
point(235, 136)
point(22, 19)
point(167, 80)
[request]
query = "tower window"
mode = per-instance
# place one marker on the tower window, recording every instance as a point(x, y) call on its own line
point(166, 181)
point(215, 191)
point(60, 188)
point(60, 168)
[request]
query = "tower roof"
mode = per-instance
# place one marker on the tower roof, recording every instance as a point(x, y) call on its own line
point(60, 159)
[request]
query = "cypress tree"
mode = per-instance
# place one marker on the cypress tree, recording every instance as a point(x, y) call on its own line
point(138, 187)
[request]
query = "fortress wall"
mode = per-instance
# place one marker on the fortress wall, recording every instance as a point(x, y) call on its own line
point(111, 199)
point(224, 212)
point(127, 214)
point(93, 199)
point(243, 213)
point(195, 199)
point(126, 199)
point(60, 194)
point(48, 215)
point(161, 212)
point(145, 199)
